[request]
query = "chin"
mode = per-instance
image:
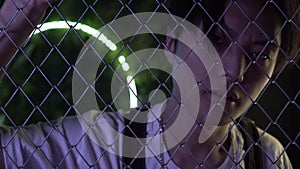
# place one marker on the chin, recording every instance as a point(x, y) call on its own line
point(233, 113)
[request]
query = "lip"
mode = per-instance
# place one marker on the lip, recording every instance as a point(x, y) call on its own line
point(219, 93)
point(233, 97)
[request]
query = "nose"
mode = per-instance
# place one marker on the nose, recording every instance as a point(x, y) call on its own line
point(234, 63)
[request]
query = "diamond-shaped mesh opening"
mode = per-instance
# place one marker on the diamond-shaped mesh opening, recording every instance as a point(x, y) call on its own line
point(257, 43)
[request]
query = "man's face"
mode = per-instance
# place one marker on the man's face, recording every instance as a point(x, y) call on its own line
point(244, 43)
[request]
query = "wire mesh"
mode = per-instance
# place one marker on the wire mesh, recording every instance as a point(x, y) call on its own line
point(36, 86)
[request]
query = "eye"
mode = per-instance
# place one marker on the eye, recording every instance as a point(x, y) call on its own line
point(219, 42)
point(215, 38)
point(257, 55)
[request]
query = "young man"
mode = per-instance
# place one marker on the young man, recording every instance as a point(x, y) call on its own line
point(248, 37)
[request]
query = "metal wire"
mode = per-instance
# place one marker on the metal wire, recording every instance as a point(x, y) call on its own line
point(36, 85)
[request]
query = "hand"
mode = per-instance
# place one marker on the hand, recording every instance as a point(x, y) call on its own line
point(31, 10)
point(17, 20)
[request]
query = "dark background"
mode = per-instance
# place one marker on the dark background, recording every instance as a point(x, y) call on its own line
point(38, 85)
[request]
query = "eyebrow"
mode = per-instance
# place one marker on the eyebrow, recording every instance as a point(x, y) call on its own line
point(261, 42)
point(258, 41)
point(230, 30)
point(268, 43)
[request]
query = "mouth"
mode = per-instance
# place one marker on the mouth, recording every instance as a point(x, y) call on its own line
point(233, 97)
point(230, 96)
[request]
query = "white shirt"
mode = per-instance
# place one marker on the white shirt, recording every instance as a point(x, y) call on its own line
point(64, 144)
point(274, 154)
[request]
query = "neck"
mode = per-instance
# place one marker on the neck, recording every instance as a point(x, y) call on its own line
point(192, 153)
point(212, 152)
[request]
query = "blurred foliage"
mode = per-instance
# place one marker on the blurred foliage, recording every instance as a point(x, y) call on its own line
point(38, 85)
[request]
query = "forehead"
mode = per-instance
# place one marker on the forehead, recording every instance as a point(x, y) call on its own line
point(252, 17)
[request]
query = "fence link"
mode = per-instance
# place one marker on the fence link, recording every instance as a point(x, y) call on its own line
point(37, 84)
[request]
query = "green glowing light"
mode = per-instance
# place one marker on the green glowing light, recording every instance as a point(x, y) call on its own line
point(105, 40)
point(78, 26)
point(132, 92)
point(121, 59)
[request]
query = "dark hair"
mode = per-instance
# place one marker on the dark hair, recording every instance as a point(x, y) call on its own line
point(290, 42)
point(210, 12)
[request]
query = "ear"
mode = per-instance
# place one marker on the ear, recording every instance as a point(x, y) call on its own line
point(170, 44)
point(170, 49)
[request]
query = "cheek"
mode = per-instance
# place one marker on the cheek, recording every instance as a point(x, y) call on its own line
point(193, 62)
point(257, 77)
point(197, 67)
point(267, 67)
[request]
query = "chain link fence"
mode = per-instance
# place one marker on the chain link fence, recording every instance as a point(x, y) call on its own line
point(37, 84)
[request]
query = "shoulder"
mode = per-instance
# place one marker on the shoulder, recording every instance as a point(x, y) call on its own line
point(42, 145)
point(274, 152)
